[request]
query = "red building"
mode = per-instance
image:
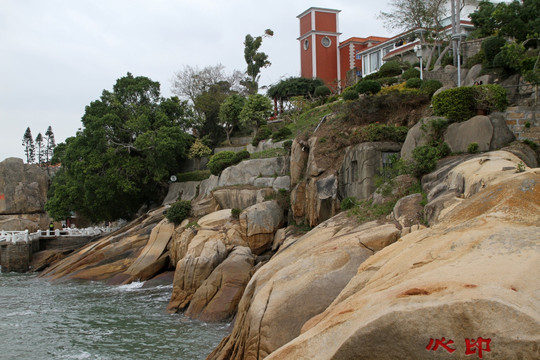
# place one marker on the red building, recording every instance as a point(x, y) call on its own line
point(319, 40)
point(322, 55)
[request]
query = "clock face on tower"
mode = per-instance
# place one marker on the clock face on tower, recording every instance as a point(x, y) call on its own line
point(326, 42)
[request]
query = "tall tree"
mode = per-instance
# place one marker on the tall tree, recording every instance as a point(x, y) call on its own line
point(50, 144)
point(255, 60)
point(40, 149)
point(129, 146)
point(190, 82)
point(256, 111)
point(229, 113)
point(410, 14)
point(207, 106)
point(29, 147)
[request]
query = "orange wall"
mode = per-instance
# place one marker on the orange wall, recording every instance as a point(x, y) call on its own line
point(305, 24)
point(344, 64)
point(325, 21)
point(327, 61)
point(306, 60)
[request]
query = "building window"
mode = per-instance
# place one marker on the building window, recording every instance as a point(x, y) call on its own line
point(365, 64)
point(358, 56)
point(374, 60)
point(386, 50)
point(326, 42)
point(306, 44)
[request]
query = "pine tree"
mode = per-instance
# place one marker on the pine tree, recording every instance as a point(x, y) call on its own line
point(39, 145)
point(49, 148)
point(28, 143)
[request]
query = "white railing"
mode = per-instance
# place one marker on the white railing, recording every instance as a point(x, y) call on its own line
point(16, 236)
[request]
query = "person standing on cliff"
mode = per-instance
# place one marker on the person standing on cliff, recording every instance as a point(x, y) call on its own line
point(51, 226)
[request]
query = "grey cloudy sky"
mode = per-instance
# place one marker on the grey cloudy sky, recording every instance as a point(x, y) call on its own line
point(56, 56)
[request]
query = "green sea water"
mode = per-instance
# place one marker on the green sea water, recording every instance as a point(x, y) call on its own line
point(92, 320)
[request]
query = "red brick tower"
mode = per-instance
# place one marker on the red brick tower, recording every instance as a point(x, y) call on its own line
point(319, 41)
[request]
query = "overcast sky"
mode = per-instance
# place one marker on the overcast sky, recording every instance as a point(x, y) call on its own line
point(56, 56)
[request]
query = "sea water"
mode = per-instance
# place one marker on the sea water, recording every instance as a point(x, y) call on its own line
point(92, 320)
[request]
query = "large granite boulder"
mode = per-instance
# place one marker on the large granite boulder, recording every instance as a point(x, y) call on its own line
point(361, 164)
point(110, 257)
point(205, 252)
point(456, 290)
point(218, 297)
point(241, 197)
point(299, 158)
point(247, 171)
point(181, 191)
point(296, 284)
point(502, 135)
point(419, 135)
point(315, 200)
point(23, 190)
point(478, 129)
point(259, 223)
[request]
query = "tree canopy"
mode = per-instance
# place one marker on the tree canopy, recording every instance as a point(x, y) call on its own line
point(255, 60)
point(255, 112)
point(229, 113)
point(131, 141)
point(519, 20)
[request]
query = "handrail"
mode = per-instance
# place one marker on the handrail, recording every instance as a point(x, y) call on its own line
point(26, 236)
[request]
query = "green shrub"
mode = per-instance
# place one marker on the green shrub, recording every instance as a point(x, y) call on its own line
point(425, 160)
point(382, 132)
point(241, 155)
point(411, 73)
point(390, 68)
point(322, 91)
point(413, 83)
point(443, 149)
point(368, 87)
point(430, 86)
point(198, 175)
point(472, 148)
point(373, 76)
point(531, 144)
point(457, 104)
point(491, 47)
point(348, 203)
point(281, 134)
point(387, 81)
point(220, 161)
point(178, 211)
point(263, 134)
point(490, 97)
point(350, 94)
point(235, 213)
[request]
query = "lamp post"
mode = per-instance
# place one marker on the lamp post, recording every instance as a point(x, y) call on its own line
point(457, 38)
point(418, 51)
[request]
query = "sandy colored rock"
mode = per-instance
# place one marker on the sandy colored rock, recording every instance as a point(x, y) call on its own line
point(259, 224)
point(241, 198)
point(299, 157)
point(465, 278)
point(408, 210)
point(206, 251)
point(214, 219)
point(297, 283)
point(143, 268)
point(218, 297)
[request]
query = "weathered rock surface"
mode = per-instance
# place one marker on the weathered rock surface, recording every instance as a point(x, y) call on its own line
point(462, 280)
point(299, 282)
point(247, 171)
point(419, 135)
point(315, 200)
point(502, 135)
point(181, 191)
point(150, 261)
point(478, 129)
point(409, 211)
point(259, 224)
point(241, 198)
point(218, 297)
point(462, 177)
point(205, 252)
point(110, 257)
point(23, 193)
point(361, 164)
point(299, 158)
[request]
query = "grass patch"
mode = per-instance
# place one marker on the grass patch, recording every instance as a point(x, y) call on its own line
point(309, 119)
point(270, 153)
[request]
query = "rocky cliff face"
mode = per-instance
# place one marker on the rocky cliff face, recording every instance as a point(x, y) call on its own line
point(460, 283)
point(23, 192)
